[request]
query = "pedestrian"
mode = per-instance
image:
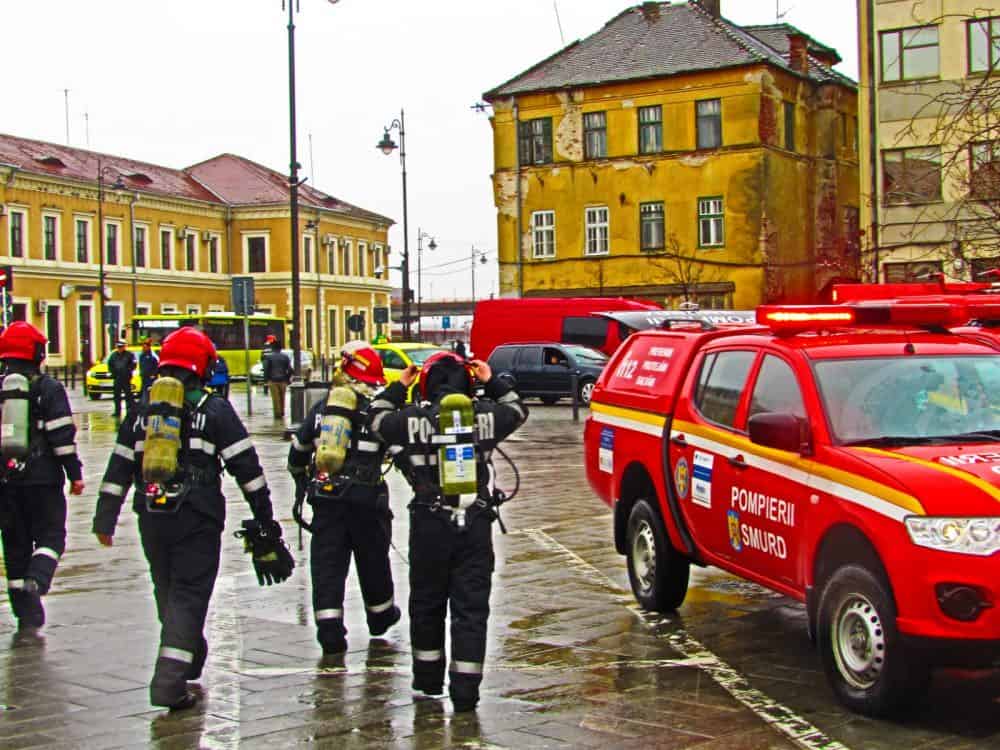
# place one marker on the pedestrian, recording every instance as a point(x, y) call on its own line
point(32, 499)
point(350, 501)
point(181, 516)
point(219, 382)
point(451, 542)
point(148, 362)
point(277, 370)
point(460, 348)
point(121, 365)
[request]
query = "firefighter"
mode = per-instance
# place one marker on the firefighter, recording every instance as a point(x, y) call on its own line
point(32, 500)
point(187, 433)
point(350, 501)
point(451, 544)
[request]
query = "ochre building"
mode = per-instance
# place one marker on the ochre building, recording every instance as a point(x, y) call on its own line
point(676, 156)
point(172, 241)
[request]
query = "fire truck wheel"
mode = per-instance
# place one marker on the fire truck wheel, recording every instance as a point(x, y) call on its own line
point(863, 655)
point(658, 574)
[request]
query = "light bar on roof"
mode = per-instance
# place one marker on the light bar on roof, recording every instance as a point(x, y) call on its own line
point(804, 316)
point(940, 313)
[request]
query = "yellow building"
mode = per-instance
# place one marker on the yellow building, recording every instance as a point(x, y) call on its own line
point(930, 144)
point(173, 240)
point(675, 155)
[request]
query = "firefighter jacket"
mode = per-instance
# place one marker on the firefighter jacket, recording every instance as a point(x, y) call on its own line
point(363, 465)
point(52, 438)
point(212, 435)
point(412, 428)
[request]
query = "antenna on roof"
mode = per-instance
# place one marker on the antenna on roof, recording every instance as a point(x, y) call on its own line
point(66, 96)
point(778, 12)
point(86, 126)
point(312, 164)
point(562, 37)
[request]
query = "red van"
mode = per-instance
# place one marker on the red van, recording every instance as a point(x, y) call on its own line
point(568, 320)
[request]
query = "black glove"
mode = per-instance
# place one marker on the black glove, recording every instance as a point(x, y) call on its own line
point(272, 561)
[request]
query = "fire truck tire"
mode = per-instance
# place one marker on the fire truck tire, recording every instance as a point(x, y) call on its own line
point(657, 572)
point(863, 655)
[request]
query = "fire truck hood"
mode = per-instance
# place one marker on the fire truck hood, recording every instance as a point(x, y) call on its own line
point(947, 480)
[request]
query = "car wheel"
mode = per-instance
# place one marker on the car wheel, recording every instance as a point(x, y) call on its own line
point(863, 655)
point(657, 572)
point(94, 396)
point(549, 400)
point(586, 391)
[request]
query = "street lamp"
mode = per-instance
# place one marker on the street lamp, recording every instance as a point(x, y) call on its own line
point(481, 254)
point(387, 146)
point(432, 245)
point(119, 184)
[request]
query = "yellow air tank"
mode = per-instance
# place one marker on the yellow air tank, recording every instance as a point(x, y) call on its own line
point(457, 461)
point(335, 432)
point(163, 430)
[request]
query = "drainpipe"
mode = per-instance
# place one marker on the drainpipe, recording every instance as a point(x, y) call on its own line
point(229, 240)
point(14, 169)
point(517, 237)
point(131, 246)
point(873, 131)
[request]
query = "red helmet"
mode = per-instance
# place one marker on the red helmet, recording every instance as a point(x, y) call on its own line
point(22, 340)
point(189, 349)
point(270, 339)
point(450, 369)
point(361, 362)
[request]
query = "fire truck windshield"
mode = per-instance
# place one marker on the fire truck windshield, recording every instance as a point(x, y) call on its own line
point(911, 399)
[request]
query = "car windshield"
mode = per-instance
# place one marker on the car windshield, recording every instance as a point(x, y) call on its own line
point(911, 399)
point(419, 356)
point(583, 353)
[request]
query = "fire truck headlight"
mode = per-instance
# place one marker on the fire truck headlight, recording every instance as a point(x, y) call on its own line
point(966, 536)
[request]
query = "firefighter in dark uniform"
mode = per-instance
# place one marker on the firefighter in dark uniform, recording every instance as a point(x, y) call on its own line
point(451, 543)
point(350, 510)
point(181, 521)
point(32, 500)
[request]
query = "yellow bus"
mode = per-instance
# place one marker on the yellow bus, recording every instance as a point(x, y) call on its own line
point(225, 329)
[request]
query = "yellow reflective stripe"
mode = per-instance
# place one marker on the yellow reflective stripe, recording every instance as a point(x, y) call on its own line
point(965, 476)
point(656, 420)
point(838, 476)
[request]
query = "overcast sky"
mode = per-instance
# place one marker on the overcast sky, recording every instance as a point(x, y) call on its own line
point(175, 82)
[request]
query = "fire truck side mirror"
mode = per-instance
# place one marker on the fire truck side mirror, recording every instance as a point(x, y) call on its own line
point(784, 432)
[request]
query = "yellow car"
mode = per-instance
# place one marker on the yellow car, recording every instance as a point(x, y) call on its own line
point(397, 357)
point(99, 382)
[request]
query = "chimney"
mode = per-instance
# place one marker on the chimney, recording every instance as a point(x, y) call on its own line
point(712, 6)
point(798, 52)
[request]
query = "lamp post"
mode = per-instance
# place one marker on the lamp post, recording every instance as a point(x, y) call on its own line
point(102, 170)
point(387, 146)
point(432, 245)
point(482, 259)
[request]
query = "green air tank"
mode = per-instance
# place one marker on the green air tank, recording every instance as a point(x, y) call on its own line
point(457, 461)
point(14, 417)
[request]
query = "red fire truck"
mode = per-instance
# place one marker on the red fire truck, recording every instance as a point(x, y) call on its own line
point(847, 456)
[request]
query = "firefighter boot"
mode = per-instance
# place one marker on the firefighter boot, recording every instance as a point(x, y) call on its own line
point(27, 604)
point(168, 687)
point(428, 671)
point(463, 689)
point(380, 622)
point(331, 636)
point(198, 663)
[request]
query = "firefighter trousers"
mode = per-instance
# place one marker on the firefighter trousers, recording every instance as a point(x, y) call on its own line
point(343, 528)
point(450, 573)
point(34, 538)
point(183, 551)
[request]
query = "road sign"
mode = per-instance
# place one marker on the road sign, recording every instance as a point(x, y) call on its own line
point(7, 278)
point(446, 322)
point(243, 295)
point(356, 323)
point(381, 314)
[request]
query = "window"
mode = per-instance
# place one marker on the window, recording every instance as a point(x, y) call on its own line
point(139, 247)
point(909, 54)
point(595, 135)
point(362, 259)
point(111, 244)
point(168, 308)
point(213, 254)
point(502, 358)
point(82, 241)
point(16, 234)
point(650, 130)
point(191, 252)
point(166, 235)
point(984, 44)
point(911, 175)
point(535, 141)
point(777, 390)
point(307, 251)
point(790, 126)
point(53, 328)
point(331, 259)
point(554, 357)
point(20, 310)
point(256, 254)
point(720, 385)
point(331, 316)
point(345, 257)
point(586, 331)
point(981, 268)
point(193, 310)
point(391, 360)
point(709, 123)
point(310, 321)
point(852, 230)
point(50, 234)
point(143, 308)
point(543, 234)
point(900, 273)
point(596, 220)
point(984, 169)
point(711, 222)
point(651, 226)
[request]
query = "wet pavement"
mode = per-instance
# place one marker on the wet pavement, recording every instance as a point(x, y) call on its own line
point(572, 662)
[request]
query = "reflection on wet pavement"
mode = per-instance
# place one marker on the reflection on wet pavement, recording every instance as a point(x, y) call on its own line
point(572, 661)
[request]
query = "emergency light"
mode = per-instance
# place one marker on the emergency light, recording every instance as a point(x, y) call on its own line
point(935, 312)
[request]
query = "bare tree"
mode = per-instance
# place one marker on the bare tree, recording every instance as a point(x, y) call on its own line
point(687, 273)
